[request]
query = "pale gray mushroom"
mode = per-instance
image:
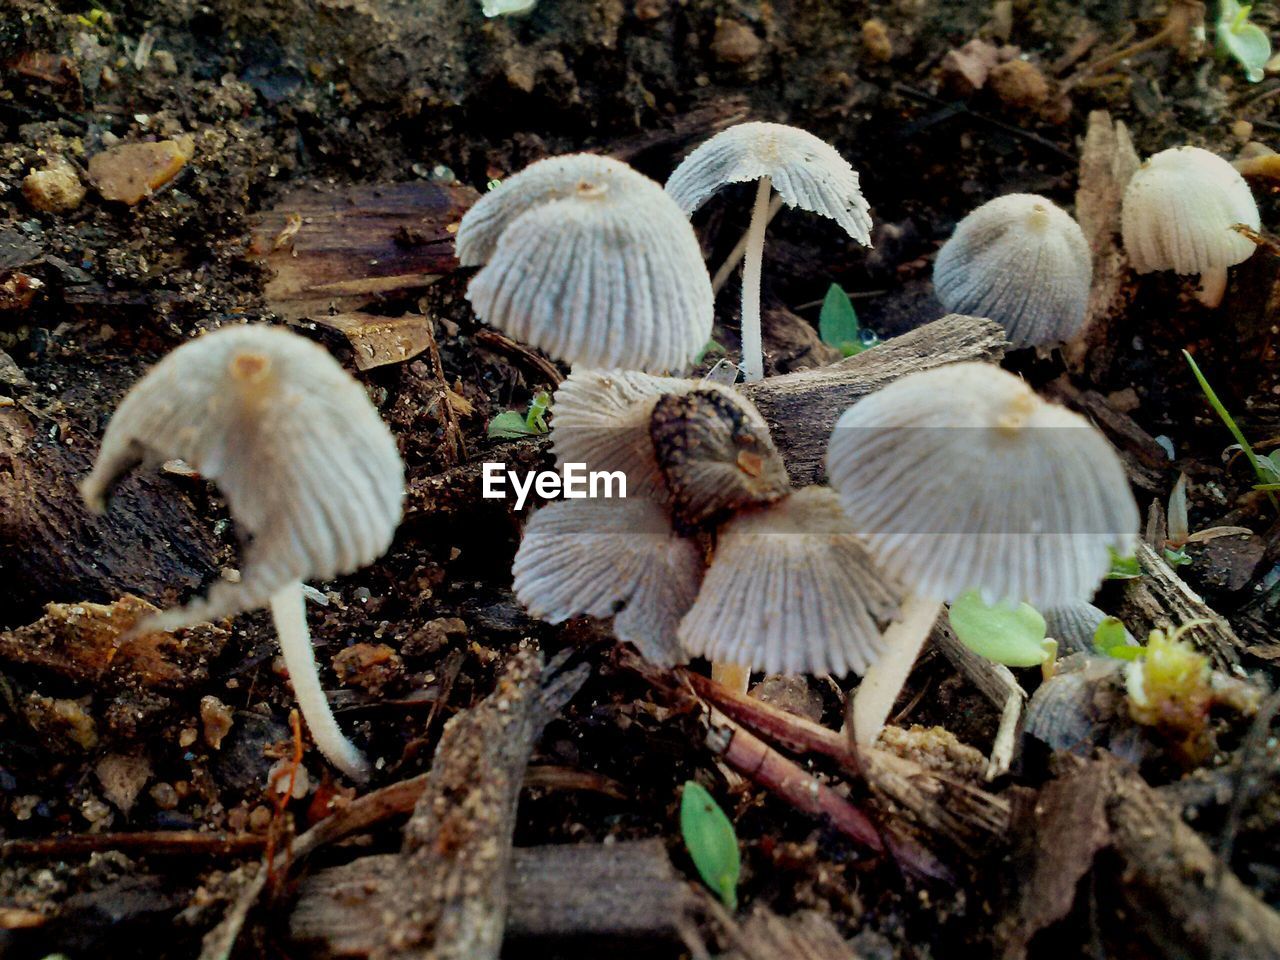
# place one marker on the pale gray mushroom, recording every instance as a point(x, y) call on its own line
point(1179, 213)
point(1021, 261)
point(592, 262)
point(791, 589)
point(807, 173)
point(1073, 625)
point(961, 478)
point(310, 473)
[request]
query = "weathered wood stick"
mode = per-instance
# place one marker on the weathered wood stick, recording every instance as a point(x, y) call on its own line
point(450, 900)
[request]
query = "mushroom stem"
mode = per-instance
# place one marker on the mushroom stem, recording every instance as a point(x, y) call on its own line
point(1213, 284)
point(288, 611)
point(884, 680)
point(730, 675)
point(752, 345)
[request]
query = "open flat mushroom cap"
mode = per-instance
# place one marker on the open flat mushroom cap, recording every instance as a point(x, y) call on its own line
point(961, 478)
point(1178, 213)
point(1021, 261)
point(807, 173)
point(601, 418)
point(310, 473)
point(590, 261)
point(791, 589)
point(610, 558)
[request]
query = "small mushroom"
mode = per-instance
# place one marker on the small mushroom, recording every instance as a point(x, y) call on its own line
point(1021, 261)
point(1179, 214)
point(311, 475)
point(591, 261)
point(1073, 625)
point(791, 589)
point(962, 478)
point(807, 173)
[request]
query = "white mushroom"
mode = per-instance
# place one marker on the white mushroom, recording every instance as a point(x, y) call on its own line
point(791, 589)
point(1021, 261)
point(310, 473)
point(962, 478)
point(591, 261)
point(807, 173)
point(1178, 214)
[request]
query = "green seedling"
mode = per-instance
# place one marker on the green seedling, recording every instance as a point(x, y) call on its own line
point(1123, 568)
point(1266, 473)
point(1110, 640)
point(513, 424)
point(1014, 636)
point(838, 324)
point(714, 348)
point(1242, 40)
point(711, 841)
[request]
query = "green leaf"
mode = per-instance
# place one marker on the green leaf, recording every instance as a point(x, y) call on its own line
point(838, 322)
point(714, 348)
point(1109, 635)
point(1245, 41)
point(509, 426)
point(1176, 558)
point(711, 841)
point(1123, 568)
point(1010, 635)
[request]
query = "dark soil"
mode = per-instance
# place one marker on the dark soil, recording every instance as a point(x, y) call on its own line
point(280, 92)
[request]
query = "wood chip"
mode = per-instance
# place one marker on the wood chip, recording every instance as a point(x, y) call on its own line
point(379, 341)
point(128, 173)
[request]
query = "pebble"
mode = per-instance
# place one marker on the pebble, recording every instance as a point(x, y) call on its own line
point(434, 636)
point(122, 778)
point(164, 796)
point(735, 43)
point(130, 172)
point(1019, 84)
point(217, 719)
point(259, 818)
point(965, 69)
point(371, 666)
point(875, 38)
point(55, 189)
point(187, 736)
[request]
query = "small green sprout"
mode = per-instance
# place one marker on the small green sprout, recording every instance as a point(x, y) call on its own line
point(513, 424)
point(1014, 636)
point(1123, 568)
point(714, 348)
point(1247, 42)
point(493, 184)
point(1111, 640)
point(838, 324)
point(711, 841)
point(1266, 473)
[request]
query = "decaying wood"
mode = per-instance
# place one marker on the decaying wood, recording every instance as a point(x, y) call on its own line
point(802, 408)
point(767, 936)
point(625, 890)
point(51, 547)
point(450, 900)
point(342, 248)
point(1160, 598)
point(378, 341)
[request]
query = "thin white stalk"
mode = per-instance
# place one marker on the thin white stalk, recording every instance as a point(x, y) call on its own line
point(288, 610)
point(881, 684)
point(739, 250)
point(1213, 284)
point(752, 345)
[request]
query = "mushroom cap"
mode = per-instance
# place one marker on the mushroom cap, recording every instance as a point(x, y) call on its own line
point(610, 558)
point(791, 589)
point(807, 173)
point(601, 418)
point(1073, 626)
point(590, 261)
point(716, 453)
point(310, 473)
point(1179, 209)
point(961, 478)
point(1021, 261)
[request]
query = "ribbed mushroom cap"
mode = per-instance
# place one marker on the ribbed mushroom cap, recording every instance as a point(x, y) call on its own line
point(610, 558)
point(961, 478)
point(1073, 625)
point(807, 173)
point(590, 261)
point(791, 589)
point(716, 454)
point(1021, 261)
point(310, 473)
point(1179, 209)
point(601, 418)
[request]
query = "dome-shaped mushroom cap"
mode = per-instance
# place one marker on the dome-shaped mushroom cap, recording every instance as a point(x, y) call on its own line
point(591, 262)
point(1073, 625)
point(1178, 213)
point(610, 558)
point(807, 173)
point(791, 590)
point(310, 473)
point(961, 478)
point(601, 418)
point(1021, 261)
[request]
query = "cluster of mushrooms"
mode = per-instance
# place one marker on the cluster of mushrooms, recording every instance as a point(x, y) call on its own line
point(946, 481)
